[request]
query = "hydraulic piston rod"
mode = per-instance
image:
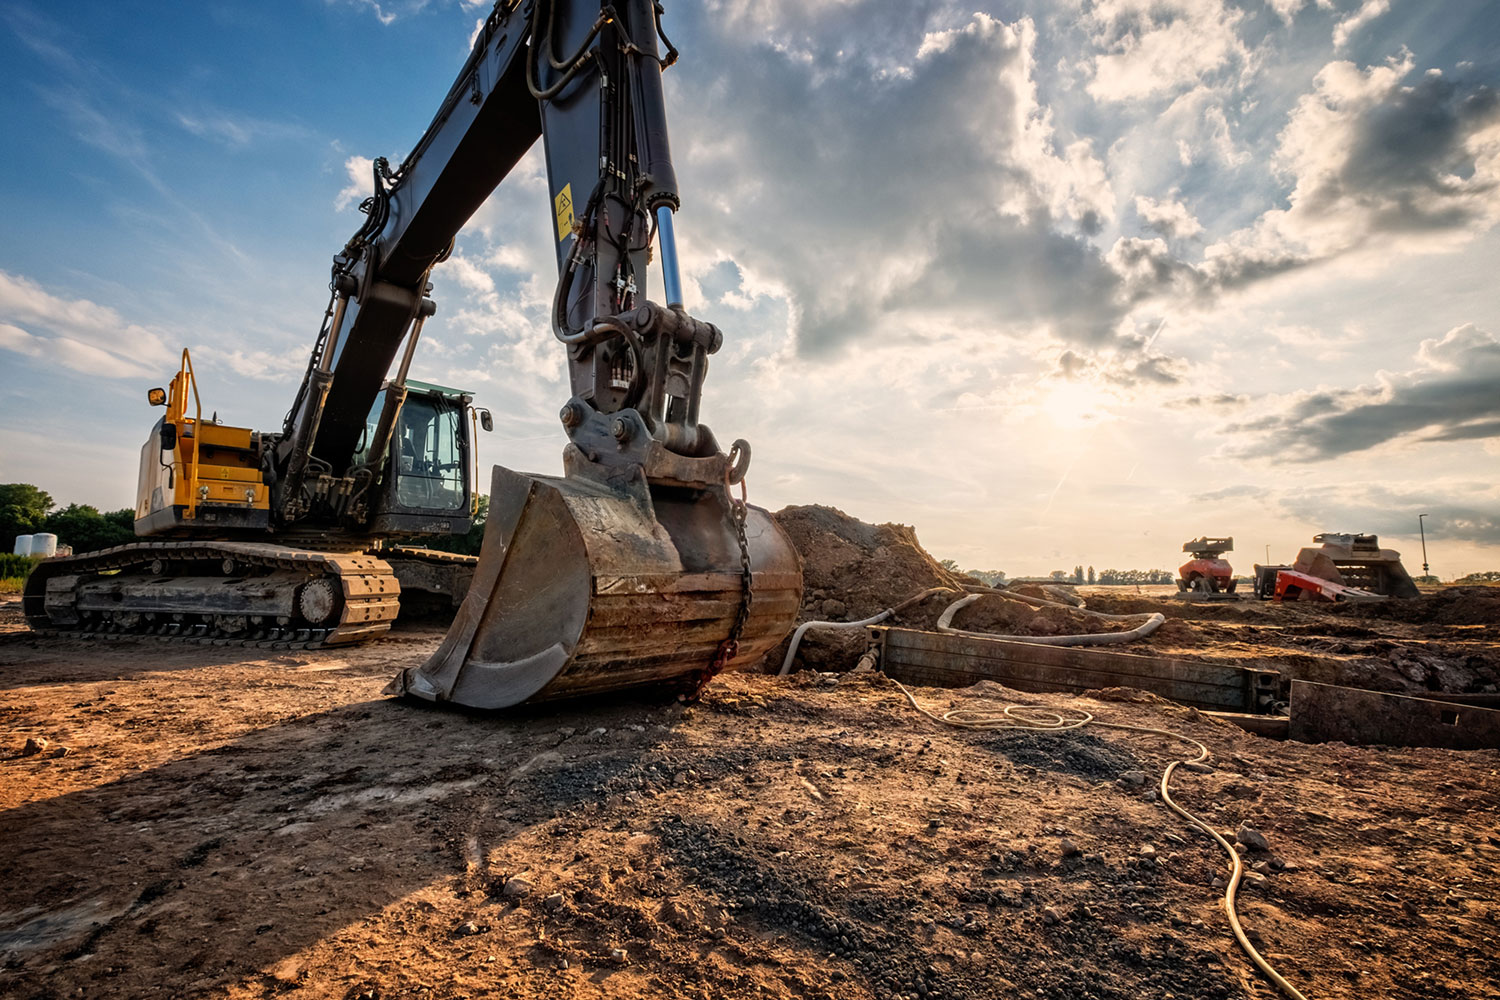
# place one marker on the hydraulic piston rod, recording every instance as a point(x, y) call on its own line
point(671, 279)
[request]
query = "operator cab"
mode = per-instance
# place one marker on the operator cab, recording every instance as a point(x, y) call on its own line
point(427, 485)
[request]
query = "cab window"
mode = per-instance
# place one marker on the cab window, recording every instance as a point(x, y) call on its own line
point(429, 455)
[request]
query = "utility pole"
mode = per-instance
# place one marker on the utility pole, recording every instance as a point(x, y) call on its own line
point(1423, 532)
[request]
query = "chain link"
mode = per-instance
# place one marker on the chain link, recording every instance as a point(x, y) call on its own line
point(735, 515)
point(738, 512)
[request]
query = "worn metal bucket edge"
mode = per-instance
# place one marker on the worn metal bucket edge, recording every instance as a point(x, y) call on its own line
point(584, 588)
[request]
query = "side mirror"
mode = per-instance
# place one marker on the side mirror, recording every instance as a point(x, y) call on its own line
point(156, 397)
point(486, 421)
point(168, 436)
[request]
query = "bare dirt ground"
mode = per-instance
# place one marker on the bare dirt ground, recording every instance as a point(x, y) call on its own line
point(233, 824)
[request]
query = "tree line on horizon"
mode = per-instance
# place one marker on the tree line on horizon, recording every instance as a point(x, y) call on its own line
point(27, 510)
point(1079, 576)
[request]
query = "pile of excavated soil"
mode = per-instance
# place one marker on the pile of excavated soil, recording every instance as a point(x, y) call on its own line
point(1006, 617)
point(852, 570)
point(1451, 606)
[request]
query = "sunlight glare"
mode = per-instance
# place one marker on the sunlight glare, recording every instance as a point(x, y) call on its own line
point(1072, 405)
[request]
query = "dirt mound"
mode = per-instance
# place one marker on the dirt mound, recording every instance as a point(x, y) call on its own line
point(864, 567)
point(1452, 606)
point(852, 570)
point(1127, 603)
point(1003, 616)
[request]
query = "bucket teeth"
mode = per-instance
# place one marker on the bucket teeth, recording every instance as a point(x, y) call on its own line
point(584, 589)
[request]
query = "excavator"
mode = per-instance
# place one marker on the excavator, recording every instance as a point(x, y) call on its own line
point(641, 566)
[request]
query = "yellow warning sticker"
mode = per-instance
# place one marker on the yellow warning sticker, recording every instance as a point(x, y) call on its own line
point(564, 205)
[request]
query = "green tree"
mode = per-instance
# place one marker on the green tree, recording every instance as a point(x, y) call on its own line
point(1091, 574)
point(23, 508)
point(84, 528)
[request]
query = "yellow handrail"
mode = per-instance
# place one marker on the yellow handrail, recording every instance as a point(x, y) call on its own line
point(187, 372)
point(474, 445)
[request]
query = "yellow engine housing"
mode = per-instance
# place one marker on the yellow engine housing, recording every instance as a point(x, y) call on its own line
point(197, 475)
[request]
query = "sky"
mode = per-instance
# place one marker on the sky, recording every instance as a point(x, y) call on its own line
point(1059, 283)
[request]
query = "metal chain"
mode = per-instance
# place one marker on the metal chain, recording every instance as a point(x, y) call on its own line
point(735, 514)
point(739, 510)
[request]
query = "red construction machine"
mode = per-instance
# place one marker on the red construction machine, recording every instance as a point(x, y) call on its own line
point(1206, 572)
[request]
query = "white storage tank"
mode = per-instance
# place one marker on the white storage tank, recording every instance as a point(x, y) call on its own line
point(44, 544)
point(23, 545)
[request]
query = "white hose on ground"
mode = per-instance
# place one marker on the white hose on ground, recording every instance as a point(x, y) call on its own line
point(1081, 607)
point(1066, 597)
point(1037, 719)
point(791, 651)
point(1151, 623)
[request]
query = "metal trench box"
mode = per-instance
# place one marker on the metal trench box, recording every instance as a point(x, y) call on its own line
point(1324, 713)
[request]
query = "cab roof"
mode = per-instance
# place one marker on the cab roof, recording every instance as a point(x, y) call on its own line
point(416, 385)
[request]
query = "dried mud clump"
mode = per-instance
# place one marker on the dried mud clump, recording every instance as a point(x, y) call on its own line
point(852, 570)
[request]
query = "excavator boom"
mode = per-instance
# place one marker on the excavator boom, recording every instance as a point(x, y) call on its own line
point(640, 565)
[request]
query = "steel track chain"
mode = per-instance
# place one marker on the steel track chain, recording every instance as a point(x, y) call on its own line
point(332, 564)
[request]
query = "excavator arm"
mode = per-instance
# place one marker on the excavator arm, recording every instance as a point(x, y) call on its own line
point(639, 566)
point(587, 78)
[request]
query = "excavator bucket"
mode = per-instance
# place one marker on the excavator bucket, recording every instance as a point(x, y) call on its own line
point(583, 588)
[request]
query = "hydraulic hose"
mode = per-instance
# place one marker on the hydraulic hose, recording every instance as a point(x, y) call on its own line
point(791, 651)
point(1152, 622)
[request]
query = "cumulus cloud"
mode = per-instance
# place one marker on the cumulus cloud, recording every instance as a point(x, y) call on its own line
point(884, 208)
point(1168, 216)
point(1376, 163)
point(1287, 9)
point(1153, 47)
point(1367, 12)
point(1370, 152)
point(75, 333)
point(1129, 366)
point(360, 172)
point(1452, 394)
